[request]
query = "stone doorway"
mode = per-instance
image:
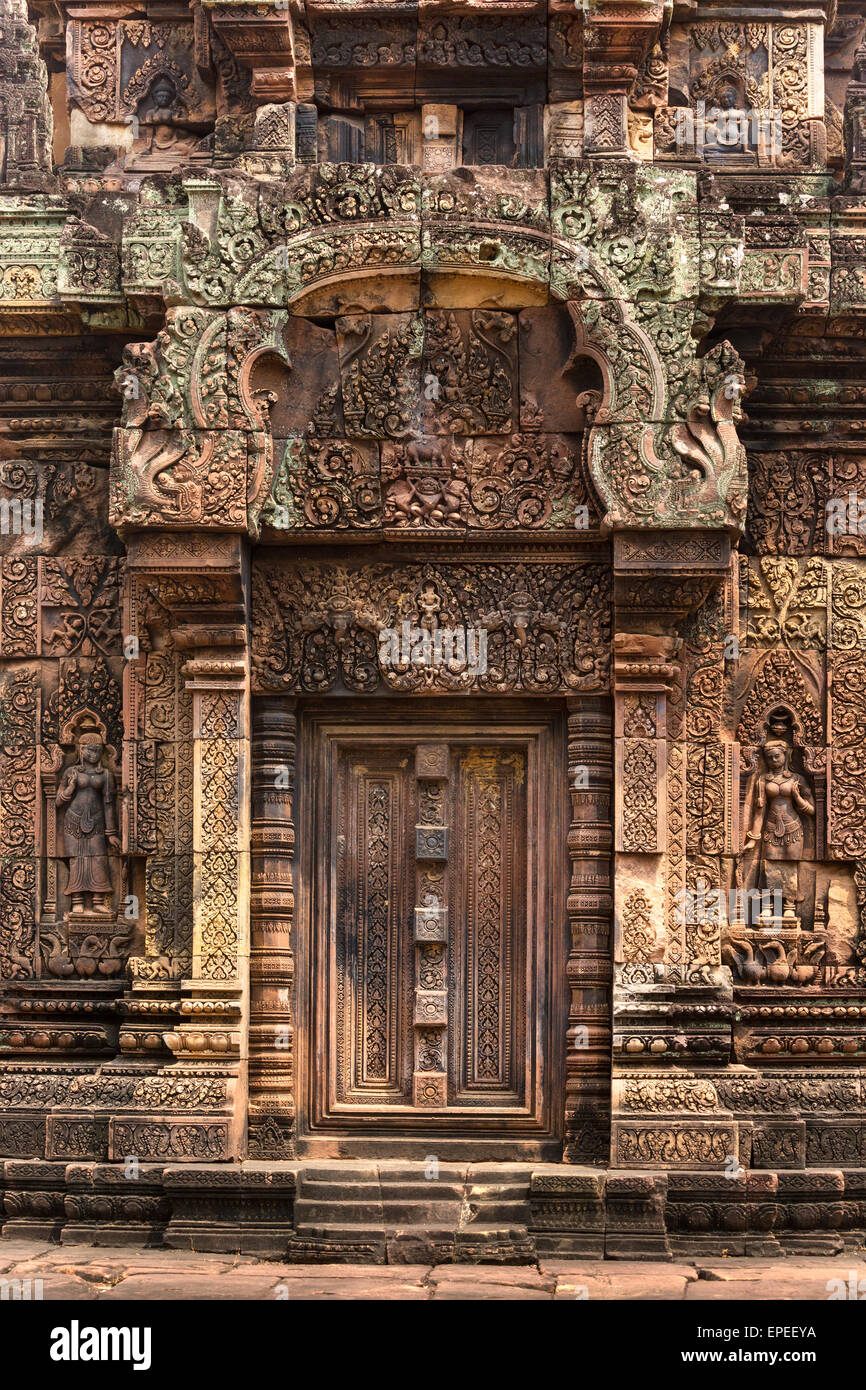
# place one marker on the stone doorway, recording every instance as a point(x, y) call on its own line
point(430, 980)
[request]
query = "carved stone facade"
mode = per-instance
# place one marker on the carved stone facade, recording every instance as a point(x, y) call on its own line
point(433, 710)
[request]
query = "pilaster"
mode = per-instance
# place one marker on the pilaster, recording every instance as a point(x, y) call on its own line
point(672, 1007)
point(272, 1033)
point(587, 1084)
point(201, 589)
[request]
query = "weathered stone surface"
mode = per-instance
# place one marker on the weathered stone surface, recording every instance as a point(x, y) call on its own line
point(390, 570)
point(195, 1277)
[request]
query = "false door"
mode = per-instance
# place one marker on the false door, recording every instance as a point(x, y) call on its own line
point(435, 924)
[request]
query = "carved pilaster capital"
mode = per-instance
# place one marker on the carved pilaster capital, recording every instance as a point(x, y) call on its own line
point(193, 574)
point(262, 39)
point(661, 577)
point(645, 662)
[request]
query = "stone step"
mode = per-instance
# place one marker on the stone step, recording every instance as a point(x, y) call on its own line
point(392, 1170)
point(324, 1190)
point(423, 1191)
point(497, 1214)
point(505, 1188)
point(311, 1213)
point(348, 1232)
point(334, 1244)
point(340, 1173)
point(351, 1243)
point(418, 1213)
point(340, 1230)
point(409, 1201)
point(388, 1210)
point(395, 1212)
point(493, 1244)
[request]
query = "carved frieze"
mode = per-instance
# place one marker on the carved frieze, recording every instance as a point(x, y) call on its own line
point(523, 482)
point(545, 627)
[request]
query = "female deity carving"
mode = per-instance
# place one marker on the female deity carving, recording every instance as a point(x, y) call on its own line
point(162, 116)
point(87, 790)
point(780, 801)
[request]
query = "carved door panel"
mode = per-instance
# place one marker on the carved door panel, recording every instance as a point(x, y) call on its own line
point(488, 932)
point(488, 137)
point(435, 924)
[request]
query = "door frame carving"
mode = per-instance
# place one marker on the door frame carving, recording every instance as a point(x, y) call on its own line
point(453, 1137)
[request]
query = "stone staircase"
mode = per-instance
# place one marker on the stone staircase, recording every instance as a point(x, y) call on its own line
point(401, 1212)
point(412, 1213)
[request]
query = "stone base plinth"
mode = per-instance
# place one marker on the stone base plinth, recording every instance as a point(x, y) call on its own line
point(394, 1213)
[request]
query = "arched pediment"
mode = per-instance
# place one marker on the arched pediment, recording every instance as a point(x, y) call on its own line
point(618, 247)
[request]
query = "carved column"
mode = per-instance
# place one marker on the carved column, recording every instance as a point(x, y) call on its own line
point(271, 41)
point(430, 1081)
point(855, 125)
point(614, 51)
point(214, 1004)
point(196, 1109)
point(272, 1034)
point(587, 1066)
point(605, 121)
point(671, 1005)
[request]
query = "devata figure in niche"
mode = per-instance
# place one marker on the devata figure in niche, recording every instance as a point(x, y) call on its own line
point(727, 123)
point(89, 829)
point(780, 799)
point(162, 115)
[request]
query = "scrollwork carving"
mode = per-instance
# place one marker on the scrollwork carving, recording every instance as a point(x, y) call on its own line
point(546, 626)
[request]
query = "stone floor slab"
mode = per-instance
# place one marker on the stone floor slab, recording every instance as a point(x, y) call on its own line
point(481, 1289)
point(83, 1273)
point(164, 1287)
point(705, 1291)
point(614, 1269)
point(512, 1276)
point(60, 1288)
point(394, 1274)
point(14, 1251)
point(312, 1287)
point(655, 1284)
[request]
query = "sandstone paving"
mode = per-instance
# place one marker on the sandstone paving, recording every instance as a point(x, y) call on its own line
point(510, 1276)
point(620, 1270)
point(487, 1293)
point(369, 1287)
point(625, 1279)
point(785, 1280)
point(84, 1273)
point(764, 1291)
point(159, 1287)
point(14, 1251)
point(62, 1288)
point(655, 1284)
point(732, 1270)
point(393, 1274)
